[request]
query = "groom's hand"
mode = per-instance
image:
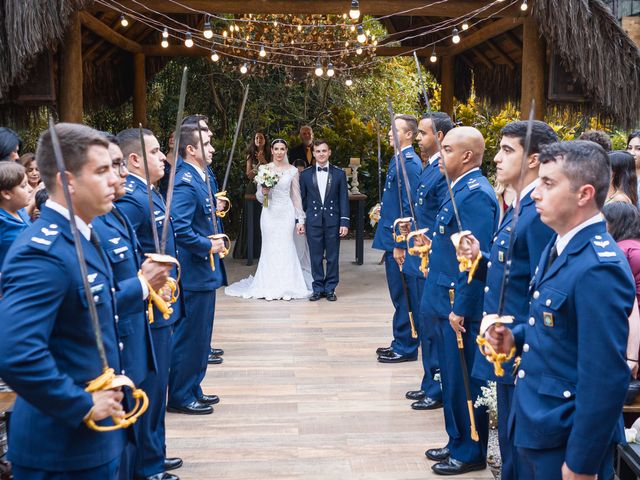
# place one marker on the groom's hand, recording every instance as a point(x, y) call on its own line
point(343, 231)
point(300, 228)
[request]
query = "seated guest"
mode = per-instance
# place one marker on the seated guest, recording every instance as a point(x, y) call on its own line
point(9, 144)
point(599, 137)
point(303, 151)
point(13, 199)
point(624, 182)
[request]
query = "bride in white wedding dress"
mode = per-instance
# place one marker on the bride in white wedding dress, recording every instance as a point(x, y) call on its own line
point(280, 273)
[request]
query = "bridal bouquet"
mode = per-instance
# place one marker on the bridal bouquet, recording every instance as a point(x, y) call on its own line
point(266, 178)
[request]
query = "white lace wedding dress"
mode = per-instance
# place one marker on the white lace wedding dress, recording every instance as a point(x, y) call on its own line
point(284, 270)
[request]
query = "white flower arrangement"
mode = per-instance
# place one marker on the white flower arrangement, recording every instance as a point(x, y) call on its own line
point(267, 178)
point(489, 400)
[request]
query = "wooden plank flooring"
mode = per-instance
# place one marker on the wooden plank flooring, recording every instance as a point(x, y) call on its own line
point(302, 395)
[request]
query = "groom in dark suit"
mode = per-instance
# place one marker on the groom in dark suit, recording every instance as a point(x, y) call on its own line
point(325, 200)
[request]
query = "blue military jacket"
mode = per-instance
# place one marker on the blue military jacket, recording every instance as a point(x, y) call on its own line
point(573, 377)
point(531, 238)
point(428, 197)
point(192, 221)
point(480, 213)
point(334, 211)
point(135, 206)
point(390, 206)
point(48, 350)
point(120, 244)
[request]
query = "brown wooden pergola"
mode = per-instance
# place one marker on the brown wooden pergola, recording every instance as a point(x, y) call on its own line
point(512, 55)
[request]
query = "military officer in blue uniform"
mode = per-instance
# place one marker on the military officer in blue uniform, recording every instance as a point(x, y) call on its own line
point(48, 346)
point(193, 225)
point(394, 205)
point(428, 197)
point(451, 302)
point(531, 237)
point(151, 461)
point(571, 383)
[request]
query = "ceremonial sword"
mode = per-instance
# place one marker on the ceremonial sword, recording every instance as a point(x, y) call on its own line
point(497, 319)
point(459, 341)
point(222, 195)
point(108, 380)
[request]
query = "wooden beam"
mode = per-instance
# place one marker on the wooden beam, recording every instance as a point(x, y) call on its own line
point(369, 7)
point(71, 73)
point(503, 56)
point(425, 51)
point(447, 81)
point(533, 70)
point(513, 38)
point(139, 90)
point(485, 33)
point(110, 35)
point(483, 58)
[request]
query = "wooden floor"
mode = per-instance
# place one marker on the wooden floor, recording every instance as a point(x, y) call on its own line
point(302, 395)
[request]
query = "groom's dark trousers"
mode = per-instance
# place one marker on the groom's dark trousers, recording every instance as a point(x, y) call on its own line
point(323, 222)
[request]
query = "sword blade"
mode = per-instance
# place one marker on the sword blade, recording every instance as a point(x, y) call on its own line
point(235, 139)
point(154, 228)
point(172, 173)
point(379, 162)
point(93, 312)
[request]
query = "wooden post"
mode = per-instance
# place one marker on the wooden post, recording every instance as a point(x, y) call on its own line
point(447, 80)
point(139, 90)
point(70, 95)
point(533, 70)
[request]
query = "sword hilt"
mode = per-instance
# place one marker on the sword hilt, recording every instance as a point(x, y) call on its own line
point(227, 206)
point(487, 350)
point(225, 250)
point(419, 244)
point(401, 227)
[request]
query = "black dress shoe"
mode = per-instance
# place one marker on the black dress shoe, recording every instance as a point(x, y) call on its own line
point(394, 357)
point(218, 352)
point(213, 360)
point(209, 400)
point(162, 476)
point(415, 395)
point(315, 296)
point(331, 296)
point(437, 454)
point(451, 466)
point(172, 463)
point(193, 408)
point(383, 350)
point(426, 404)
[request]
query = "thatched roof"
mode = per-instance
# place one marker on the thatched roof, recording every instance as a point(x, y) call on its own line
point(582, 33)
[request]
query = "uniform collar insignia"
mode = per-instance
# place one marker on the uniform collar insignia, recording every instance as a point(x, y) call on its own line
point(115, 240)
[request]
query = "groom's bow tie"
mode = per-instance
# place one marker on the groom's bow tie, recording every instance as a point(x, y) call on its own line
point(323, 169)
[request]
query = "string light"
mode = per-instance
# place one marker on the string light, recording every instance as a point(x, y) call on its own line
point(208, 32)
point(299, 28)
point(348, 82)
point(354, 12)
point(524, 6)
point(319, 70)
point(330, 71)
point(164, 43)
point(359, 50)
point(123, 21)
point(262, 53)
point(188, 41)
point(433, 58)
point(455, 38)
point(244, 69)
point(465, 25)
point(214, 56)
point(361, 36)
point(165, 33)
point(225, 34)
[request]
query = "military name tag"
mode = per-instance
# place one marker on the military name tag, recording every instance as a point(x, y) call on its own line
point(441, 229)
point(548, 319)
point(501, 256)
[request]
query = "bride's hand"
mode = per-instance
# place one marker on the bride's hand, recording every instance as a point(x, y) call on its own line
point(300, 228)
point(265, 190)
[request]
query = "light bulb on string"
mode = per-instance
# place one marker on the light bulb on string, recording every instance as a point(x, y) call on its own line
point(330, 71)
point(319, 70)
point(275, 23)
point(361, 36)
point(207, 32)
point(352, 28)
point(214, 56)
point(346, 44)
point(262, 53)
point(123, 21)
point(164, 43)
point(524, 6)
point(354, 12)
point(465, 25)
point(375, 43)
point(244, 69)
point(188, 41)
point(165, 33)
point(359, 50)
point(299, 28)
point(348, 82)
point(433, 58)
point(455, 36)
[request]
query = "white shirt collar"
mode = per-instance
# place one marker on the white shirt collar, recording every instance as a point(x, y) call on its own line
point(453, 184)
point(199, 170)
point(563, 241)
point(526, 191)
point(84, 229)
point(143, 180)
point(433, 158)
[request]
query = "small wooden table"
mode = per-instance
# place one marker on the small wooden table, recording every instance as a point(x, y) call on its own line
point(359, 199)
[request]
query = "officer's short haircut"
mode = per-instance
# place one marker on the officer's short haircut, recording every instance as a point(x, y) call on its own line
point(111, 138)
point(599, 137)
point(11, 175)
point(583, 163)
point(195, 119)
point(412, 123)
point(189, 136)
point(75, 141)
point(441, 120)
point(321, 141)
point(541, 134)
point(129, 141)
